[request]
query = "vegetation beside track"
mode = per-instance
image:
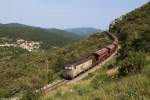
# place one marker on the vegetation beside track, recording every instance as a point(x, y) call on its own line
point(132, 82)
point(101, 86)
point(23, 72)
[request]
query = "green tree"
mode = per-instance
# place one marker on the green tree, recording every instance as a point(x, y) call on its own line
point(133, 63)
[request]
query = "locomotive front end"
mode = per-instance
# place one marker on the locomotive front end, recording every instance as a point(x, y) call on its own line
point(68, 74)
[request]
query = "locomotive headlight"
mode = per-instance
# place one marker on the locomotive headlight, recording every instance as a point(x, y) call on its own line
point(68, 68)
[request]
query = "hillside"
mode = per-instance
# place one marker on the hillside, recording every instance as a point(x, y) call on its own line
point(131, 80)
point(133, 28)
point(23, 72)
point(47, 38)
point(83, 31)
point(100, 86)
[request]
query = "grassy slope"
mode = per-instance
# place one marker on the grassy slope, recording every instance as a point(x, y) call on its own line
point(25, 71)
point(100, 86)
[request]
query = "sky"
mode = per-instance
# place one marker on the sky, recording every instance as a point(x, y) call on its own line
point(65, 13)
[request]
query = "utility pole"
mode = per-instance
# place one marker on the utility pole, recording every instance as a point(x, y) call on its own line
point(47, 65)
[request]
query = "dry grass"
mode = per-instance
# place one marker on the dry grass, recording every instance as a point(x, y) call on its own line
point(100, 86)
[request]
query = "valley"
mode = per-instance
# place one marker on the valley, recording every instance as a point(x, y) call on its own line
point(34, 58)
point(47, 37)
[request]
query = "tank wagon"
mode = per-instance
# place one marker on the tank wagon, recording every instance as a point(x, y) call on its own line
point(74, 69)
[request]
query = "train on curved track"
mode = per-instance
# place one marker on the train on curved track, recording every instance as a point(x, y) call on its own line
point(73, 70)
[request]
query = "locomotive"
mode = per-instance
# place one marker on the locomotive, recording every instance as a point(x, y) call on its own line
point(72, 70)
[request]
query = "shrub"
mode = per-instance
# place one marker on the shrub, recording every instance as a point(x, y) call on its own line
point(133, 63)
point(30, 95)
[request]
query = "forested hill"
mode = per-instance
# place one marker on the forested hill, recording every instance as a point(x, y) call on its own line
point(48, 38)
point(134, 28)
point(14, 25)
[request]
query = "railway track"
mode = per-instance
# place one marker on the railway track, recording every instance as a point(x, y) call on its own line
point(52, 86)
point(58, 83)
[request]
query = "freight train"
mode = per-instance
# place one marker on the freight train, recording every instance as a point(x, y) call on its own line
point(72, 70)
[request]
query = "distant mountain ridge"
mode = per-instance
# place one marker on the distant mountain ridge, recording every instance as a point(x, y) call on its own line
point(83, 31)
point(14, 25)
point(48, 37)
